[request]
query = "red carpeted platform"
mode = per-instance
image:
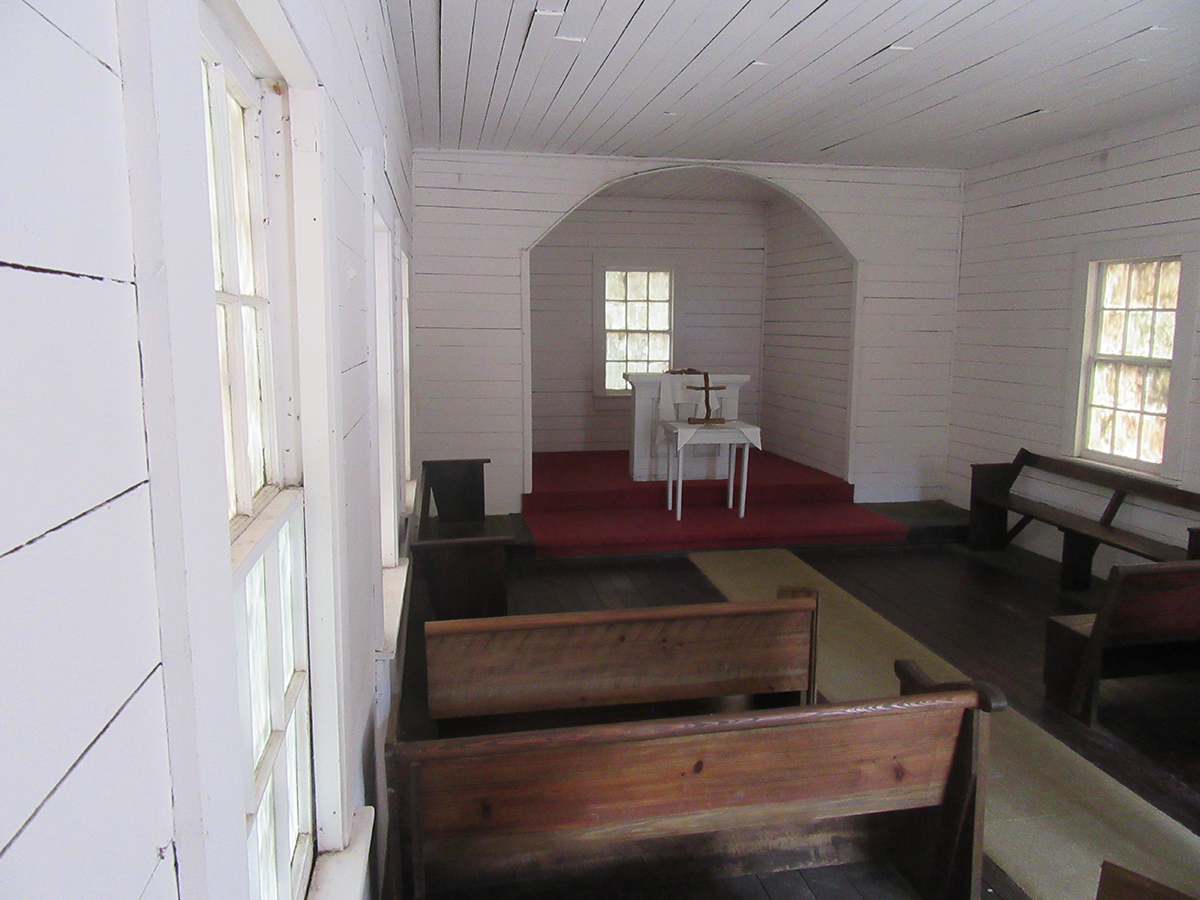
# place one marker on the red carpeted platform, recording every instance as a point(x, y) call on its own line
point(585, 504)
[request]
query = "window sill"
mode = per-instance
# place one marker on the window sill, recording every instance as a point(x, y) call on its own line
point(343, 874)
point(394, 581)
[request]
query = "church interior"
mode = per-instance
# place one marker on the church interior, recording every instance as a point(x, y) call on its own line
point(342, 340)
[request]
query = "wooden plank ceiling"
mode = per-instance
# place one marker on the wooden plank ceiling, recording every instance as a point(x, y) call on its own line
point(946, 83)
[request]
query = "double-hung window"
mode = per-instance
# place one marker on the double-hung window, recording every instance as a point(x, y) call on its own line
point(1127, 366)
point(637, 324)
point(265, 512)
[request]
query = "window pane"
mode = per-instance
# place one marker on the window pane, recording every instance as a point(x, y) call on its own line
point(1164, 335)
point(614, 285)
point(615, 349)
point(638, 286)
point(614, 315)
point(660, 286)
point(614, 376)
point(660, 346)
point(264, 874)
point(255, 409)
point(1143, 285)
point(287, 601)
point(218, 281)
point(1125, 434)
point(657, 365)
point(1168, 284)
point(1129, 387)
point(636, 366)
point(1138, 333)
point(226, 406)
point(639, 346)
point(1104, 385)
point(242, 221)
point(294, 780)
point(1100, 430)
point(1116, 285)
point(1154, 429)
point(1112, 332)
point(258, 664)
point(639, 316)
point(1158, 385)
point(660, 316)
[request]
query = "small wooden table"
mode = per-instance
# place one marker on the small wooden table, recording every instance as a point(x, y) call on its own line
point(733, 434)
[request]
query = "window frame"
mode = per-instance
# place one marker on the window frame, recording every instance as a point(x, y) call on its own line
point(600, 268)
point(262, 517)
point(1085, 315)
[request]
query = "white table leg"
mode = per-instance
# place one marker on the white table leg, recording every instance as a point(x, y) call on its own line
point(670, 475)
point(745, 478)
point(679, 485)
point(732, 460)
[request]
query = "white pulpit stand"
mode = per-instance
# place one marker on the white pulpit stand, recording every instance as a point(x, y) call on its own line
point(648, 450)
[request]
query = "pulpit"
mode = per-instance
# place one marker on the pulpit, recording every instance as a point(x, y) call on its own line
point(649, 450)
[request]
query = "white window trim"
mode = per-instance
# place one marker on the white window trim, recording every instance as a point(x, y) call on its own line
point(627, 262)
point(1185, 369)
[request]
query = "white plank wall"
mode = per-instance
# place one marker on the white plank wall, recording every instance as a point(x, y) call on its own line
point(1025, 219)
point(476, 213)
point(807, 341)
point(716, 251)
point(116, 615)
point(81, 695)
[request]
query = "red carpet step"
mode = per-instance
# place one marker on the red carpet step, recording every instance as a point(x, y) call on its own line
point(585, 504)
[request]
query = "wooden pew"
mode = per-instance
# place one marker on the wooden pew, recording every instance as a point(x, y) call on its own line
point(629, 656)
point(746, 791)
point(459, 554)
point(992, 499)
point(1148, 623)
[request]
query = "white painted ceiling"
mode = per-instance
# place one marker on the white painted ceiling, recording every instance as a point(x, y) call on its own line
point(944, 83)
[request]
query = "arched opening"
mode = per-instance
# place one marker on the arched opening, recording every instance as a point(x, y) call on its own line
point(761, 288)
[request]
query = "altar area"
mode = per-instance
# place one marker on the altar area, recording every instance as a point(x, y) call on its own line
point(584, 503)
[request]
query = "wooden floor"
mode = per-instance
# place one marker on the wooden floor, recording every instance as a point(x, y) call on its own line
point(556, 585)
point(985, 613)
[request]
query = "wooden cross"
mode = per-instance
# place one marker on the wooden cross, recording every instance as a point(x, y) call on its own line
point(708, 388)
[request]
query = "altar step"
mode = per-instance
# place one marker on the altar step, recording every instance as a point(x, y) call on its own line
point(585, 504)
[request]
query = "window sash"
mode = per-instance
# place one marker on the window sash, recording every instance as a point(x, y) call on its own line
point(637, 318)
point(1127, 369)
point(276, 697)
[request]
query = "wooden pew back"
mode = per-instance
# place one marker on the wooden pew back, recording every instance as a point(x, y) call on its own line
point(824, 784)
point(1151, 604)
point(519, 664)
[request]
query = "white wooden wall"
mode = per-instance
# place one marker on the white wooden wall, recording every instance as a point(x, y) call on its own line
point(477, 213)
point(81, 689)
point(1025, 223)
point(118, 685)
point(716, 250)
point(808, 341)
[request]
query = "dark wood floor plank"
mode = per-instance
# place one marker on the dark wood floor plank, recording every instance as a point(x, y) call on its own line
point(832, 883)
point(787, 886)
point(985, 613)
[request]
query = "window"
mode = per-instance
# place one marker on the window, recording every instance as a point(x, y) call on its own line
point(637, 324)
point(266, 516)
point(1128, 364)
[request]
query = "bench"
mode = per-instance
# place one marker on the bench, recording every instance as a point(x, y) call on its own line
point(992, 499)
point(730, 792)
point(458, 552)
point(577, 660)
point(1148, 624)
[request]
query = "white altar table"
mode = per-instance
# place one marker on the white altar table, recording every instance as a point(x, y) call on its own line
point(648, 451)
point(733, 434)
